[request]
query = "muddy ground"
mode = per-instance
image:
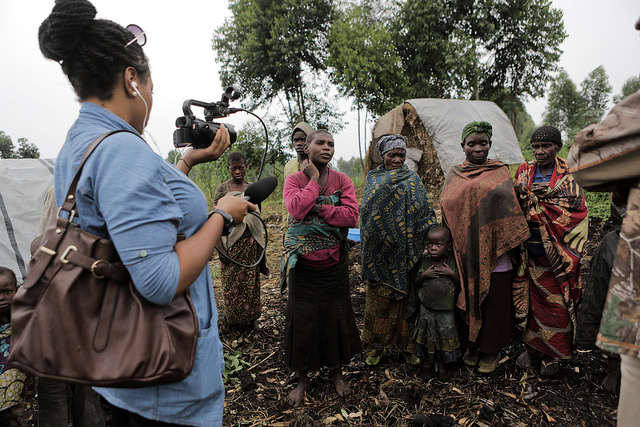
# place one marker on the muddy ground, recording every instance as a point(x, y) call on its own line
point(394, 393)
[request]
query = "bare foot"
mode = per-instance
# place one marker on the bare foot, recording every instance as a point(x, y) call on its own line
point(441, 370)
point(297, 395)
point(338, 380)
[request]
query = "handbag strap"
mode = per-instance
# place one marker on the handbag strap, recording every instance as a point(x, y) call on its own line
point(69, 204)
point(106, 269)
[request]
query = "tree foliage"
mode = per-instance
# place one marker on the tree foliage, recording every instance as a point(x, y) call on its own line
point(570, 109)
point(364, 62)
point(268, 46)
point(631, 85)
point(499, 50)
point(25, 150)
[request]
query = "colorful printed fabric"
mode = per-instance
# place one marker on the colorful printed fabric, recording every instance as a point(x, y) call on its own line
point(394, 219)
point(308, 235)
point(12, 381)
point(385, 319)
point(561, 216)
point(240, 285)
point(480, 208)
point(620, 327)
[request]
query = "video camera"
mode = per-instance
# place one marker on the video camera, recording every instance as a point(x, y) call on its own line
point(199, 133)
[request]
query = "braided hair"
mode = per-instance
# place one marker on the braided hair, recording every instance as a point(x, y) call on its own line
point(92, 52)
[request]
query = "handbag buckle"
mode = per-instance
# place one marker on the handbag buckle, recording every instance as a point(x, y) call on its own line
point(94, 266)
point(63, 257)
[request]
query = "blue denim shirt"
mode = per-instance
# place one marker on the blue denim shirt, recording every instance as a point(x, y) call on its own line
point(129, 194)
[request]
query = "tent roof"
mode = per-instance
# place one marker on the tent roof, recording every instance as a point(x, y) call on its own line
point(23, 185)
point(444, 120)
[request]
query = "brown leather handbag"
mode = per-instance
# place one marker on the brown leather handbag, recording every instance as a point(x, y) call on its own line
point(79, 318)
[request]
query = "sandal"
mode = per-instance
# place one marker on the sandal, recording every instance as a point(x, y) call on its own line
point(549, 366)
point(374, 357)
point(525, 360)
point(470, 357)
point(488, 363)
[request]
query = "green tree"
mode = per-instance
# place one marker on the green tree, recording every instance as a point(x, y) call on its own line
point(631, 85)
point(268, 46)
point(563, 103)
point(570, 109)
point(6, 146)
point(594, 94)
point(351, 167)
point(364, 62)
point(523, 49)
point(27, 150)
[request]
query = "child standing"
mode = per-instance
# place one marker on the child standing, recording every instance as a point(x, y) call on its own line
point(241, 285)
point(12, 381)
point(320, 327)
point(436, 332)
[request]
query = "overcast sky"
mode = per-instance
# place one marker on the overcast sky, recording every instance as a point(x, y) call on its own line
point(38, 103)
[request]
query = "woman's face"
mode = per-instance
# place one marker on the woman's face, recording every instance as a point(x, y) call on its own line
point(237, 170)
point(545, 153)
point(142, 112)
point(394, 159)
point(321, 149)
point(476, 148)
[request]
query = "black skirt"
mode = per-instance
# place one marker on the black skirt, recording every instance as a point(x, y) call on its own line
point(320, 328)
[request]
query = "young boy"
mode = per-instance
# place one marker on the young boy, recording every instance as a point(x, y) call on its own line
point(436, 332)
point(12, 381)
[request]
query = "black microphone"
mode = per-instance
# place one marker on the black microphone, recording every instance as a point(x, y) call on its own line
point(261, 189)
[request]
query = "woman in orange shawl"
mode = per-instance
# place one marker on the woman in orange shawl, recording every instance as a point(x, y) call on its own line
point(480, 207)
point(556, 212)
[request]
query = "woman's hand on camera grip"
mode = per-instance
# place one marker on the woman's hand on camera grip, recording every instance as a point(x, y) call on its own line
point(195, 156)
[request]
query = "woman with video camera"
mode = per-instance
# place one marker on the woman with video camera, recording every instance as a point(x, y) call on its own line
point(129, 194)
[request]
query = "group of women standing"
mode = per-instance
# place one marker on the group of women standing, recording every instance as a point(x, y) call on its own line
point(517, 245)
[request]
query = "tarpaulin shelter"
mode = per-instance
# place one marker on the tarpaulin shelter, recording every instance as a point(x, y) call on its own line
point(23, 185)
point(433, 128)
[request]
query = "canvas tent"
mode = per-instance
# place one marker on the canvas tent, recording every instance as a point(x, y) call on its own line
point(23, 185)
point(433, 128)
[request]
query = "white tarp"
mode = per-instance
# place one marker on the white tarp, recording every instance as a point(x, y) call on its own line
point(23, 185)
point(444, 120)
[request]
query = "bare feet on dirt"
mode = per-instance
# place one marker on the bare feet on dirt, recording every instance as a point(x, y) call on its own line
point(297, 395)
point(338, 380)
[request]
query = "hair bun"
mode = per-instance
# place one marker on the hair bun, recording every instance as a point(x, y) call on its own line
point(61, 32)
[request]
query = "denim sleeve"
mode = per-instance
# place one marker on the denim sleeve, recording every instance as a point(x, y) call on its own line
point(140, 211)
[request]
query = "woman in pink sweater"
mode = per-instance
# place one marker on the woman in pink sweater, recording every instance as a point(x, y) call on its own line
point(320, 326)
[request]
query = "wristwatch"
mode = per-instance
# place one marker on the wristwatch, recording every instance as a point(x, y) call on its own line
point(228, 221)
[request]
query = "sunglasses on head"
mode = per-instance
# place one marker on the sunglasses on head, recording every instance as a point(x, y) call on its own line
point(138, 35)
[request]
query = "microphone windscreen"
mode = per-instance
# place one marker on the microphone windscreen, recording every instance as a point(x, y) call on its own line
point(261, 189)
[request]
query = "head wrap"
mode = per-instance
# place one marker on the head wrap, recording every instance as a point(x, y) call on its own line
point(304, 127)
point(547, 134)
point(475, 128)
point(391, 142)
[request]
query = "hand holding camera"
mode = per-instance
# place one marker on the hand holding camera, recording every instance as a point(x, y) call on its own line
point(220, 143)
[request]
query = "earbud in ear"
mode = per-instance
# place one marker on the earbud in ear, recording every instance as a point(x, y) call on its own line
point(134, 85)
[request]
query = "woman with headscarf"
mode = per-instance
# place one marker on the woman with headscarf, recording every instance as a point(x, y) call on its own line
point(480, 207)
point(556, 212)
point(394, 219)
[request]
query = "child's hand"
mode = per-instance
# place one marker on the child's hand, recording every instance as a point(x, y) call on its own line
point(447, 271)
point(431, 273)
